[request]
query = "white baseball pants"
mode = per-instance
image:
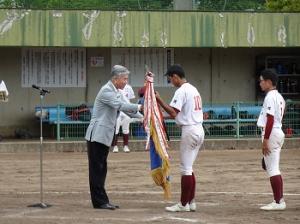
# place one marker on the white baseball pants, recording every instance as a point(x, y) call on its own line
point(272, 160)
point(124, 121)
point(192, 137)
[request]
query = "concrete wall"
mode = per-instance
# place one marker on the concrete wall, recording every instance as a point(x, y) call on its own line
point(220, 74)
point(138, 145)
point(19, 111)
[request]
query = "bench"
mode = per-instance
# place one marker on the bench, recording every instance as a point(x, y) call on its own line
point(236, 120)
point(230, 112)
point(52, 116)
point(220, 118)
point(65, 120)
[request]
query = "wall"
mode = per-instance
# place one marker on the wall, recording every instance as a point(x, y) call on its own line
point(19, 111)
point(233, 74)
point(100, 28)
point(220, 74)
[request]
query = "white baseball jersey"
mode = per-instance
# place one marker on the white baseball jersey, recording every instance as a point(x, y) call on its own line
point(188, 101)
point(127, 92)
point(274, 105)
point(123, 119)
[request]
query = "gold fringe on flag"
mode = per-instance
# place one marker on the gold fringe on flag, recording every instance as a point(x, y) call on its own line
point(161, 180)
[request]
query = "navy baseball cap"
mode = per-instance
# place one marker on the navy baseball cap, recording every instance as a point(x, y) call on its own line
point(175, 69)
point(141, 91)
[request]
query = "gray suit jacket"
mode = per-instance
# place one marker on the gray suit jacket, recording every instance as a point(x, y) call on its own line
point(109, 101)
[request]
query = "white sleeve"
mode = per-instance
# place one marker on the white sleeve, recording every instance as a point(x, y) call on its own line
point(270, 106)
point(178, 100)
point(130, 93)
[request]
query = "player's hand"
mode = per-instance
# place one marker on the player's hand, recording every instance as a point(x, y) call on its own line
point(148, 73)
point(141, 107)
point(157, 94)
point(265, 147)
point(158, 99)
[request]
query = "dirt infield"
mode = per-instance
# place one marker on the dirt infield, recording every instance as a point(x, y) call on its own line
point(230, 189)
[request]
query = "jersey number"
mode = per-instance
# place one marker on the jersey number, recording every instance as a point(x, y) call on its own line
point(198, 103)
point(281, 109)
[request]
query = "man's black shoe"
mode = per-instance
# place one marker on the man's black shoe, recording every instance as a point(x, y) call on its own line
point(106, 206)
point(116, 206)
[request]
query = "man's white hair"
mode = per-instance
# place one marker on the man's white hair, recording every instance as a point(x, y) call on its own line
point(118, 70)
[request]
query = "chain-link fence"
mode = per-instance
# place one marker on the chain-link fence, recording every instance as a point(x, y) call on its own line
point(201, 5)
point(291, 121)
point(233, 120)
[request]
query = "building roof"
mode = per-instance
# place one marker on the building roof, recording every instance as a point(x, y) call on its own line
point(76, 28)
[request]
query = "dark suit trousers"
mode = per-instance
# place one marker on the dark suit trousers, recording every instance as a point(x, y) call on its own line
point(97, 155)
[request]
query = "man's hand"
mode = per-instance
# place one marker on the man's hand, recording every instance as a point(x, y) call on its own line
point(265, 147)
point(140, 107)
point(148, 73)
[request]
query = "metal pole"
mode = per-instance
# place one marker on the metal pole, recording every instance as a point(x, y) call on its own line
point(41, 148)
point(58, 123)
point(238, 120)
point(41, 204)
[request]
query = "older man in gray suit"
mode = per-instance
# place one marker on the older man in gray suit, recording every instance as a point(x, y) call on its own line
point(99, 135)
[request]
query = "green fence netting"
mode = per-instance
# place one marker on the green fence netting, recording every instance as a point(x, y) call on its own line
point(231, 120)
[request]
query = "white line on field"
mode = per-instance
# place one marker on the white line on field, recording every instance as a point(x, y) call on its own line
point(22, 213)
point(169, 202)
point(148, 192)
point(103, 219)
point(52, 217)
point(158, 218)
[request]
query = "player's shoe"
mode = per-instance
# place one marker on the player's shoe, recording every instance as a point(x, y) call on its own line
point(178, 208)
point(274, 206)
point(193, 206)
point(126, 149)
point(116, 149)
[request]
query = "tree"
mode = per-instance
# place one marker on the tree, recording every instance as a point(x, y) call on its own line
point(89, 4)
point(231, 5)
point(283, 5)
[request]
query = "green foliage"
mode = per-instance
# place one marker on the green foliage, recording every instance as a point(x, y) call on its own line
point(203, 5)
point(231, 5)
point(283, 5)
point(89, 4)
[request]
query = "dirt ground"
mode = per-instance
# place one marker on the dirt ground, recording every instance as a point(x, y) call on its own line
point(230, 189)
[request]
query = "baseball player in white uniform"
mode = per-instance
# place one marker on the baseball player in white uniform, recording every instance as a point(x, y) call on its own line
point(270, 120)
point(123, 121)
point(186, 108)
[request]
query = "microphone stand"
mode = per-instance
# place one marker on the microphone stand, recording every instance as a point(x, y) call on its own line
point(41, 204)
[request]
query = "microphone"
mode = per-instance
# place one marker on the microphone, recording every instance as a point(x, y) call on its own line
point(41, 89)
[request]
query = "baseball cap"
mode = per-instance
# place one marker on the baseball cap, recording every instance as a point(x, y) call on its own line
point(175, 69)
point(141, 91)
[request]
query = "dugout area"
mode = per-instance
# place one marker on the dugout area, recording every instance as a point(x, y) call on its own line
point(223, 76)
point(222, 54)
